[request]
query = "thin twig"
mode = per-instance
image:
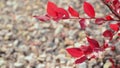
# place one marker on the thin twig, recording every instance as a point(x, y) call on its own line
point(93, 19)
point(116, 14)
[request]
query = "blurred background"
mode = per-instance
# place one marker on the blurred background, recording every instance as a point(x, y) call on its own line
point(26, 42)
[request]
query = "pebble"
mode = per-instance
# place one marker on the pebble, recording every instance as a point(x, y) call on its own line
point(40, 66)
point(58, 30)
point(29, 57)
point(83, 65)
point(107, 64)
point(17, 64)
point(2, 61)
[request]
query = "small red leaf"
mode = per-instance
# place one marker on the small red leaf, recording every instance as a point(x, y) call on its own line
point(86, 49)
point(51, 7)
point(93, 57)
point(118, 24)
point(63, 13)
point(82, 24)
point(42, 18)
point(112, 61)
point(112, 48)
point(118, 34)
point(81, 59)
point(114, 27)
point(93, 43)
point(108, 33)
point(73, 12)
point(108, 17)
point(107, 1)
point(105, 45)
point(99, 21)
point(75, 52)
point(88, 9)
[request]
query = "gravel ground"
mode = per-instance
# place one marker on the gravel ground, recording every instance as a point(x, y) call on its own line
point(28, 43)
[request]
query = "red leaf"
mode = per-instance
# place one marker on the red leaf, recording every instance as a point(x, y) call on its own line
point(42, 18)
point(86, 49)
point(89, 10)
point(93, 56)
point(108, 33)
point(73, 12)
point(108, 17)
point(118, 34)
point(75, 52)
point(62, 13)
point(112, 61)
point(99, 21)
point(105, 45)
point(82, 24)
point(112, 48)
point(118, 24)
point(51, 7)
point(114, 27)
point(81, 59)
point(93, 43)
point(107, 1)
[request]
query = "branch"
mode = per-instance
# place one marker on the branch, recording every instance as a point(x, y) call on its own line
point(116, 14)
point(92, 19)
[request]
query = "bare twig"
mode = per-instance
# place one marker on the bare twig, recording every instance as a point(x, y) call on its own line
point(116, 14)
point(93, 19)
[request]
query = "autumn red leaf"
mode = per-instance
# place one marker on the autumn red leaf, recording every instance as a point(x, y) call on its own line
point(86, 49)
point(118, 24)
point(112, 61)
point(112, 48)
point(114, 27)
point(93, 57)
point(81, 59)
point(82, 24)
point(62, 13)
point(107, 1)
point(75, 52)
point(51, 7)
point(99, 21)
point(42, 18)
point(118, 34)
point(108, 17)
point(73, 12)
point(108, 33)
point(105, 45)
point(88, 9)
point(93, 43)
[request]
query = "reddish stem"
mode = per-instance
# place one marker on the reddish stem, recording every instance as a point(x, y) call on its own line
point(92, 19)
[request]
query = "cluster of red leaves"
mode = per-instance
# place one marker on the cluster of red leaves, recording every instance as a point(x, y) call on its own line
point(92, 50)
point(114, 28)
point(57, 13)
point(114, 5)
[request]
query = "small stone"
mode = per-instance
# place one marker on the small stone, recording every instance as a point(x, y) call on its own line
point(77, 44)
point(83, 65)
point(43, 39)
point(58, 30)
point(1, 61)
point(107, 64)
point(15, 43)
point(17, 64)
point(29, 57)
point(40, 66)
